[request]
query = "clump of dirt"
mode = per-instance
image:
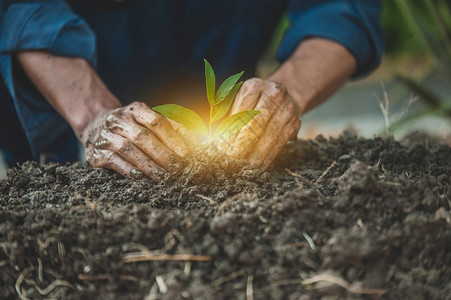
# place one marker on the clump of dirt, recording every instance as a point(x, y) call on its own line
point(344, 218)
point(208, 175)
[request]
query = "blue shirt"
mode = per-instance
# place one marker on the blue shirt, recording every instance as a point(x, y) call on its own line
point(137, 45)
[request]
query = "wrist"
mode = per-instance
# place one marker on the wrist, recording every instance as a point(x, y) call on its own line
point(287, 77)
point(70, 85)
point(316, 69)
point(82, 96)
point(89, 105)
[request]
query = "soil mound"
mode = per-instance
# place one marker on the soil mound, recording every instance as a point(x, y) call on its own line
point(344, 218)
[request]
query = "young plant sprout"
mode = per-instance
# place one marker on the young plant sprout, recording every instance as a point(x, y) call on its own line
point(220, 102)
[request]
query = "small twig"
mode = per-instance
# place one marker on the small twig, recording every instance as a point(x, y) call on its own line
point(162, 287)
point(305, 180)
point(44, 244)
point(397, 117)
point(343, 283)
point(83, 252)
point(51, 272)
point(93, 277)
point(153, 293)
point(286, 282)
point(187, 269)
point(40, 274)
point(250, 288)
point(43, 292)
point(310, 263)
point(229, 277)
point(61, 250)
point(205, 198)
point(309, 240)
point(360, 223)
point(263, 219)
point(96, 277)
point(144, 256)
point(52, 286)
point(138, 246)
point(391, 183)
point(5, 246)
point(19, 282)
point(326, 171)
point(170, 241)
point(385, 109)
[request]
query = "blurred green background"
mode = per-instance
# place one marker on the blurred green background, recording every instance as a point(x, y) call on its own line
point(410, 91)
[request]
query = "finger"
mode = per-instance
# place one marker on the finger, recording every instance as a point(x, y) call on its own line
point(246, 99)
point(278, 146)
point(129, 152)
point(248, 95)
point(160, 127)
point(270, 103)
point(189, 138)
point(247, 136)
point(143, 138)
point(276, 130)
point(103, 158)
point(298, 123)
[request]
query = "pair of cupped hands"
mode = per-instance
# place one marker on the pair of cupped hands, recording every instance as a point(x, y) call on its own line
point(134, 140)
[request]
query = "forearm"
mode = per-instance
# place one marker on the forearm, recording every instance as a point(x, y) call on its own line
point(317, 68)
point(70, 85)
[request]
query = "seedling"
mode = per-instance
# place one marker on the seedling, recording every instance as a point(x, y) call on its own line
point(220, 102)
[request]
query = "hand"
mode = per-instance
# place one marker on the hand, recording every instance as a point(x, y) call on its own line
point(132, 140)
point(190, 138)
point(279, 121)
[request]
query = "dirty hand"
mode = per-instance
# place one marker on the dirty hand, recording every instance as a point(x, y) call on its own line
point(265, 135)
point(132, 140)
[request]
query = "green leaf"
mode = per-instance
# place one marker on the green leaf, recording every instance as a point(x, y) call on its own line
point(226, 87)
point(210, 82)
point(221, 109)
point(234, 123)
point(185, 116)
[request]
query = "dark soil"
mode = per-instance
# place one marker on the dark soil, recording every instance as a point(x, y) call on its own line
point(353, 218)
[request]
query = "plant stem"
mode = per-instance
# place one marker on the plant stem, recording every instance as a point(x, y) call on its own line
point(209, 124)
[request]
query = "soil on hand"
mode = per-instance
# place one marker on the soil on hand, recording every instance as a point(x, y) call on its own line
point(345, 218)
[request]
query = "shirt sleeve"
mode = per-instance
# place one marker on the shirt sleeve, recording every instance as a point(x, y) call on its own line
point(48, 25)
point(45, 25)
point(353, 23)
